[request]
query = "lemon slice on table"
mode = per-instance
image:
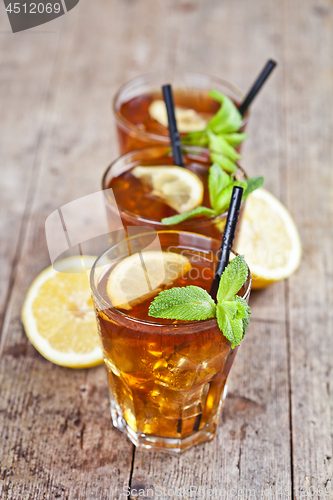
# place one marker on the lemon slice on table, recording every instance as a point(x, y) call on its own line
point(187, 119)
point(268, 239)
point(59, 318)
point(142, 275)
point(178, 187)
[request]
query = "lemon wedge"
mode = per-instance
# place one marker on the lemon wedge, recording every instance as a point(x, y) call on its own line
point(188, 120)
point(178, 187)
point(59, 318)
point(141, 275)
point(268, 239)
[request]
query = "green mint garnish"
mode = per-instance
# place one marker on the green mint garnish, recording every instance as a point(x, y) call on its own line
point(224, 196)
point(218, 180)
point(232, 279)
point(228, 119)
point(220, 186)
point(192, 303)
point(253, 183)
point(189, 303)
point(221, 133)
point(224, 162)
point(219, 144)
point(196, 212)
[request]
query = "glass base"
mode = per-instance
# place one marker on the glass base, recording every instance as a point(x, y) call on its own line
point(169, 445)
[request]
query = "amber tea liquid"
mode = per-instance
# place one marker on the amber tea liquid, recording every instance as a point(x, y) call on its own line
point(134, 196)
point(136, 112)
point(137, 129)
point(136, 204)
point(166, 377)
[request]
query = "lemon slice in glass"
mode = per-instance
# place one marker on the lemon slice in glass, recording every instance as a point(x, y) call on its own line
point(58, 315)
point(188, 120)
point(178, 187)
point(268, 239)
point(142, 275)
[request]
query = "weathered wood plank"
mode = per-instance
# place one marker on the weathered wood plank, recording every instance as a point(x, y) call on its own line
point(25, 93)
point(308, 173)
point(251, 453)
point(55, 423)
point(69, 449)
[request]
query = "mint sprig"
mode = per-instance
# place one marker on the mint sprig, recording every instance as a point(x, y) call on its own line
point(221, 134)
point(220, 186)
point(192, 303)
point(196, 212)
point(232, 279)
point(189, 303)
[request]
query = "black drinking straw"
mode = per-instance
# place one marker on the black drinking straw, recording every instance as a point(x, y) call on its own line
point(224, 254)
point(270, 65)
point(173, 130)
point(228, 238)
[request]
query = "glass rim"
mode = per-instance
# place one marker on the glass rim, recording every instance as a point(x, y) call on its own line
point(126, 124)
point(204, 324)
point(201, 222)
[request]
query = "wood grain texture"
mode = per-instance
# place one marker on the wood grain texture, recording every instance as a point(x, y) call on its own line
point(55, 428)
point(55, 423)
point(309, 194)
point(25, 92)
point(251, 453)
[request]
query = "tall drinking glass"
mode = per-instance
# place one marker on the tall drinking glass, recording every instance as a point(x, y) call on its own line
point(167, 378)
point(136, 128)
point(137, 206)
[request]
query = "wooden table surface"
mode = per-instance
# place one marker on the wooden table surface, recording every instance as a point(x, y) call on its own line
point(56, 138)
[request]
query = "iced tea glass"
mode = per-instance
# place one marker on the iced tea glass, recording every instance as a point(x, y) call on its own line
point(167, 378)
point(136, 205)
point(136, 129)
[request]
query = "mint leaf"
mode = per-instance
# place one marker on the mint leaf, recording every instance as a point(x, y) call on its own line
point(228, 118)
point(227, 122)
point(233, 313)
point(223, 161)
point(218, 144)
point(232, 329)
point(216, 95)
point(224, 197)
point(253, 183)
point(246, 318)
point(219, 121)
point(218, 179)
point(198, 138)
point(235, 138)
point(192, 303)
point(176, 219)
point(232, 279)
point(234, 309)
point(189, 303)
point(221, 133)
point(220, 185)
